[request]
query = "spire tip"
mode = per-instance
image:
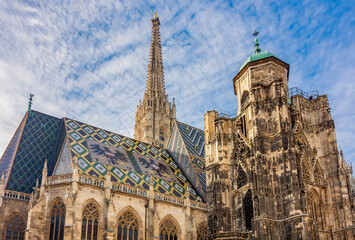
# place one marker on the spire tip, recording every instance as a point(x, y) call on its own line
point(155, 14)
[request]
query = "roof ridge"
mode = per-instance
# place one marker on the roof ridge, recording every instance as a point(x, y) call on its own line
point(192, 126)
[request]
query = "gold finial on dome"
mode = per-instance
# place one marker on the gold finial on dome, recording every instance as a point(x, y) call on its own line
point(155, 14)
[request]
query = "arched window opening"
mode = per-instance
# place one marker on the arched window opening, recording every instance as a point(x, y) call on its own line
point(314, 208)
point(248, 210)
point(242, 177)
point(245, 98)
point(318, 176)
point(56, 231)
point(168, 230)
point(127, 227)
point(305, 171)
point(202, 231)
point(244, 125)
point(161, 134)
point(89, 227)
point(15, 228)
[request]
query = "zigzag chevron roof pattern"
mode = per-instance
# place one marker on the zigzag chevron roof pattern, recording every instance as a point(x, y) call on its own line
point(187, 147)
point(194, 139)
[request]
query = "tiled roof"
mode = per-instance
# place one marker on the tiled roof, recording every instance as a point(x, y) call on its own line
point(41, 137)
point(132, 162)
point(187, 147)
point(194, 139)
point(257, 56)
point(36, 143)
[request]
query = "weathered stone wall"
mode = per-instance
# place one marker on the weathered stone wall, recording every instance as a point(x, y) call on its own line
point(274, 172)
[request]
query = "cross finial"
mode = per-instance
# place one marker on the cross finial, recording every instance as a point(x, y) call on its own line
point(30, 102)
point(257, 49)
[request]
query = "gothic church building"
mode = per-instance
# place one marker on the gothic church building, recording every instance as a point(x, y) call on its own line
point(273, 171)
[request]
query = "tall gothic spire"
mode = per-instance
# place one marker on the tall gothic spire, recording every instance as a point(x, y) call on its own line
point(155, 114)
point(155, 81)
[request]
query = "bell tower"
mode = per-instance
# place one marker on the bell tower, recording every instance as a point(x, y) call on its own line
point(154, 116)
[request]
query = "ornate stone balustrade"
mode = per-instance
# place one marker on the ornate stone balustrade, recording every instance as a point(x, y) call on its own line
point(200, 205)
point(99, 182)
point(114, 186)
point(17, 195)
point(169, 198)
point(129, 189)
point(59, 179)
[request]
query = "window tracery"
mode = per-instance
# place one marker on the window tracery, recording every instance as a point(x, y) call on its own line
point(127, 227)
point(317, 175)
point(202, 231)
point(242, 177)
point(56, 231)
point(305, 171)
point(90, 219)
point(168, 230)
point(15, 228)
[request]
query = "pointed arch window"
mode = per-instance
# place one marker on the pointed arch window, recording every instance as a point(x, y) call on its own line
point(305, 171)
point(202, 231)
point(168, 230)
point(15, 228)
point(245, 98)
point(315, 207)
point(248, 210)
point(161, 134)
point(242, 177)
point(127, 227)
point(89, 228)
point(56, 231)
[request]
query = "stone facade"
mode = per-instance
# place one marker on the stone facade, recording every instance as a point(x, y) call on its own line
point(274, 171)
point(155, 115)
point(149, 209)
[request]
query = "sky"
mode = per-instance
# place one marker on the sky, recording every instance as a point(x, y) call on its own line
point(87, 60)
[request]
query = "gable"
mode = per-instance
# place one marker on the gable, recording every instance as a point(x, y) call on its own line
point(10, 152)
point(36, 144)
point(187, 163)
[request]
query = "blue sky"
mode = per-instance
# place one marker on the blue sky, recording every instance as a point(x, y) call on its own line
point(88, 61)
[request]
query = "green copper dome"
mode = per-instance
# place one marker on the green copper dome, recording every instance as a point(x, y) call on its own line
point(258, 56)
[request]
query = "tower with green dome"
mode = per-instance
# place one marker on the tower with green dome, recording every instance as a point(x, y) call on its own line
point(274, 171)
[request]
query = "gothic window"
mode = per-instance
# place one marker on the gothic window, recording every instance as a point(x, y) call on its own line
point(245, 98)
point(168, 230)
point(242, 177)
point(161, 134)
point(317, 174)
point(56, 231)
point(244, 126)
point(127, 227)
point(314, 207)
point(202, 231)
point(15, 228)
point(248, 210)
point(89, 222)
point(305, 171)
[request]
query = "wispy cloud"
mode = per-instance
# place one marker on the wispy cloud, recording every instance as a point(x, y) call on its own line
point(88, 60)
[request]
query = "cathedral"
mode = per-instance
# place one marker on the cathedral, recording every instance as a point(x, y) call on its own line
point(272, 171)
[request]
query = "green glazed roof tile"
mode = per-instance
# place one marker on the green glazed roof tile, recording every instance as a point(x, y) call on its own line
point(258, 56)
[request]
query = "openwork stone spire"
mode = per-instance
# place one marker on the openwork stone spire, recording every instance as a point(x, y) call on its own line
point(155, 80)
point(155, 114)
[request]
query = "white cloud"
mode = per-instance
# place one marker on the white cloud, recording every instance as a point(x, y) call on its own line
point(87, 60)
